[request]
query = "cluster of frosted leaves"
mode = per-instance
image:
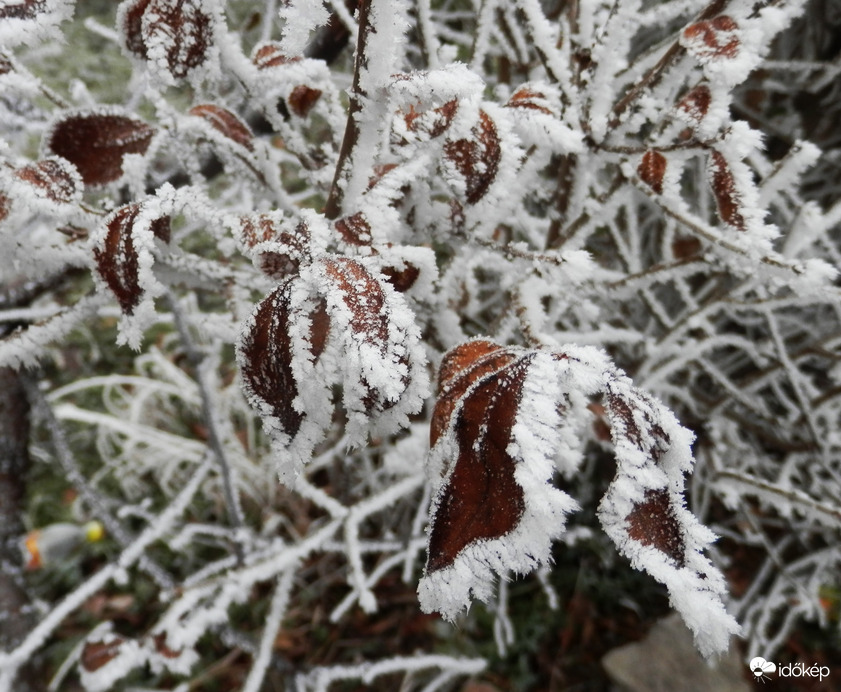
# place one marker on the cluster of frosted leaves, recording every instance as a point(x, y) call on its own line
point(32, 21)
point(497, 440)
point(477, 146)
point(177, 39)
point(331, 320)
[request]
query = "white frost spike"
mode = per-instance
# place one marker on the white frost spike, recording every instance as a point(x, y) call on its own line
point(300, 18)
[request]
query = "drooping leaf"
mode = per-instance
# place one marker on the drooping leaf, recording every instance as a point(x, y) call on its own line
point(724, 189)
point(496, 439)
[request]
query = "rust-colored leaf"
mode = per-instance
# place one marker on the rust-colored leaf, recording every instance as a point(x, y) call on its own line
point(226, 123)
point(637, 425)
point(482, 500)
point(181, 30)
point(266, 357)
point(159, 641)
point(477, 158)
point(270, 54)
point(97, 654)
point(116, 260)
point(713, 38)
point(651, 170)
point(435, 121)
point(302, 99)
point(53, 178)
point(529, 98)
point(354, 229)
point(132, 26)
point(5, 65)
point(364, 297)
point(653, 522)
point(696, 103)
point(116, 257)
point(97, 142)
point(724, 188)
point(285, 251)
point(401, 278)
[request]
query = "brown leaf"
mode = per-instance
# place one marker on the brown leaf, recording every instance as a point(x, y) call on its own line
point(477, 159)
point(28, 9)
point(97, 654)
point(267, 354)
point(714, 38)
point(285, 251)
point(182, 29)
point(696, 103)
point(270, 54)
point(434, 122)
point(363, 295)
point(5, 65)
point(302, 99)
point(161, 647)
point(132, 26)
point(97, 142)
point(640, 429)
point(226, 123)
point(116, 258)
point(651, 170)
point(54, 179)
point(653, 522)
point(482, 499)
point(529, 98)
point(402, 279)
point(724, 188)
point(354, 229)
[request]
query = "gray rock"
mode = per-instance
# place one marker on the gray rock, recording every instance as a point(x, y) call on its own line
point(667, 661)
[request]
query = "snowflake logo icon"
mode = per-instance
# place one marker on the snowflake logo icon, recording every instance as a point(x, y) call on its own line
point(761, 668)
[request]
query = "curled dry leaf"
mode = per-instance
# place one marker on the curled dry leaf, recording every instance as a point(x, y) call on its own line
point(226, 123)
point(713, 39)
point(116, 255)
point(652, 169)
point(477, 159)
point(724, 188)
point(96, 142)
point(494, 432)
